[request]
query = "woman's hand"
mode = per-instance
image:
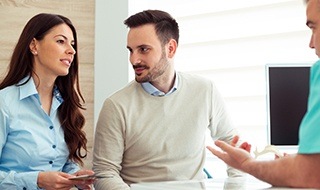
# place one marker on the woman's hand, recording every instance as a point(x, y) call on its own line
point(61, 181)
point(54, 180)
point(83, 183)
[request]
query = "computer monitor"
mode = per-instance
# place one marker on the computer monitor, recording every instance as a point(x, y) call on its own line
point(287, 96)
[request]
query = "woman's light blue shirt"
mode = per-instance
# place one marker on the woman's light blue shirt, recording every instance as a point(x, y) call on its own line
point(309, 134)
point(30, 139)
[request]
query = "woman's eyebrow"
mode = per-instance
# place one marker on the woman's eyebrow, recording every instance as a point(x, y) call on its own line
point(65, 37)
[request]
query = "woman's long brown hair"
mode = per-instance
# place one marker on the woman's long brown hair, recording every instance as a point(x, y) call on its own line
point(21, 66)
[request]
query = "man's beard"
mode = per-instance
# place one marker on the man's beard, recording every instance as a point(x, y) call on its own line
point(157, 71)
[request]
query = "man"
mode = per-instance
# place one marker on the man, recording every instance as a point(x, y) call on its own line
point(302, 169)
point(154, 128)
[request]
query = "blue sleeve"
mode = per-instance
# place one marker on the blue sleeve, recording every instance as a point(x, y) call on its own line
point(70, 167)
point(309, 139)
point(12, 179)
point(24, 180)
point(3, 126)
point(28, 180)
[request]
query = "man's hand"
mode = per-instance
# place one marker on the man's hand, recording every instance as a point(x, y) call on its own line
point(235, 157)
point(245, 146)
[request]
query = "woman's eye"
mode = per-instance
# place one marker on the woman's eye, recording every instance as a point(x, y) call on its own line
point(60, 41)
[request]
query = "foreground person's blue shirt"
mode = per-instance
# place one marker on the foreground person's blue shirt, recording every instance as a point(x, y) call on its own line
point(309, 134)
point(30, 140)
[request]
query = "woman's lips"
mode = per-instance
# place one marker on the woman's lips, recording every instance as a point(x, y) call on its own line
point(66, 61)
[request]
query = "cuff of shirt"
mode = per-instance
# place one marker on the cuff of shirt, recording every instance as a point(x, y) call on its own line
point(27, 180)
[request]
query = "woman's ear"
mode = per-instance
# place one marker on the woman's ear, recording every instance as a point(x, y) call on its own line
point(33, 47)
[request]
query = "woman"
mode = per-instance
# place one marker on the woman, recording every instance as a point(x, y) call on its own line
point(41, 136)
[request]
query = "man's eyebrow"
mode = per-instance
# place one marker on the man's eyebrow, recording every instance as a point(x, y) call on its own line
point(143, 46)
point(139, 46)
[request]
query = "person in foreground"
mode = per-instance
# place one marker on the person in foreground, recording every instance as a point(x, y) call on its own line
point(154, 128)
point(301, 169)
point(41, 138)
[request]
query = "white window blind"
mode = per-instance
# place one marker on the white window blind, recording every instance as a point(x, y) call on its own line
point(231, 41)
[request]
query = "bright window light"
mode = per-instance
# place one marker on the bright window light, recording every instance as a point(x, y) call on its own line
point(230, 42)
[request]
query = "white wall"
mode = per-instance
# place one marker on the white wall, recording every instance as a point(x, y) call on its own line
point(111, 54)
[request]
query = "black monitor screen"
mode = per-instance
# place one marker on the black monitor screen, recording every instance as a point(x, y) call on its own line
point(287, 96)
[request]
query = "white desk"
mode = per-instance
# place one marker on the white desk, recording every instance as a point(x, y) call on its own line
point(247, 183)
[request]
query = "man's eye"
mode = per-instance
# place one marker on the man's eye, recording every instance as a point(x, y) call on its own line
point(144, 49)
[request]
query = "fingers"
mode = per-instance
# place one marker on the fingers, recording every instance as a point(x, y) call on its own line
point(245, 146)
point(65, 175)
point(234, 140)
point(210, 149)
point(84, 172)
point(223, 146)
point(277, 157)
point(84, 187)
point(215, 152)
point(84, 183)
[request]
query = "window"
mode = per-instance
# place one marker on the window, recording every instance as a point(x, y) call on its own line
point(230, 42)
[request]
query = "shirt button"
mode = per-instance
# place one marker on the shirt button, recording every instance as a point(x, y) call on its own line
point(51, 127)
point(54, 146)
point(50, 162)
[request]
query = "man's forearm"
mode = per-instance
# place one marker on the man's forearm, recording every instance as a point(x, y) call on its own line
point(288, 171)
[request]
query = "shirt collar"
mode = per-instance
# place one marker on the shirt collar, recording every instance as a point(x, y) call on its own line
point(150, 89)
point(56, 94)
point(28, 88)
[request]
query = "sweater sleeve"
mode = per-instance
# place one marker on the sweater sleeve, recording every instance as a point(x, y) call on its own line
point(109, 148)
point(221, 125)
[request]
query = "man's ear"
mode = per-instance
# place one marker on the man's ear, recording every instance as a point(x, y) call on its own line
point(172, 47)
point(33, 46)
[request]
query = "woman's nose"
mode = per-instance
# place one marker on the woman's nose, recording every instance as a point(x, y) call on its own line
point(71, 50)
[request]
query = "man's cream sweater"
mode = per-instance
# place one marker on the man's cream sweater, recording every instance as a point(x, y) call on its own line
point(143, 138)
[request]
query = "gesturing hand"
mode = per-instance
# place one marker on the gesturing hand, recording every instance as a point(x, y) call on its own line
point(233, 156)
point(246, 146)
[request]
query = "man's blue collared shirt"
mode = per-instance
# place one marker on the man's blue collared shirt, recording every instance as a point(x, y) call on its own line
point(30, 139)
point(150, 89)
